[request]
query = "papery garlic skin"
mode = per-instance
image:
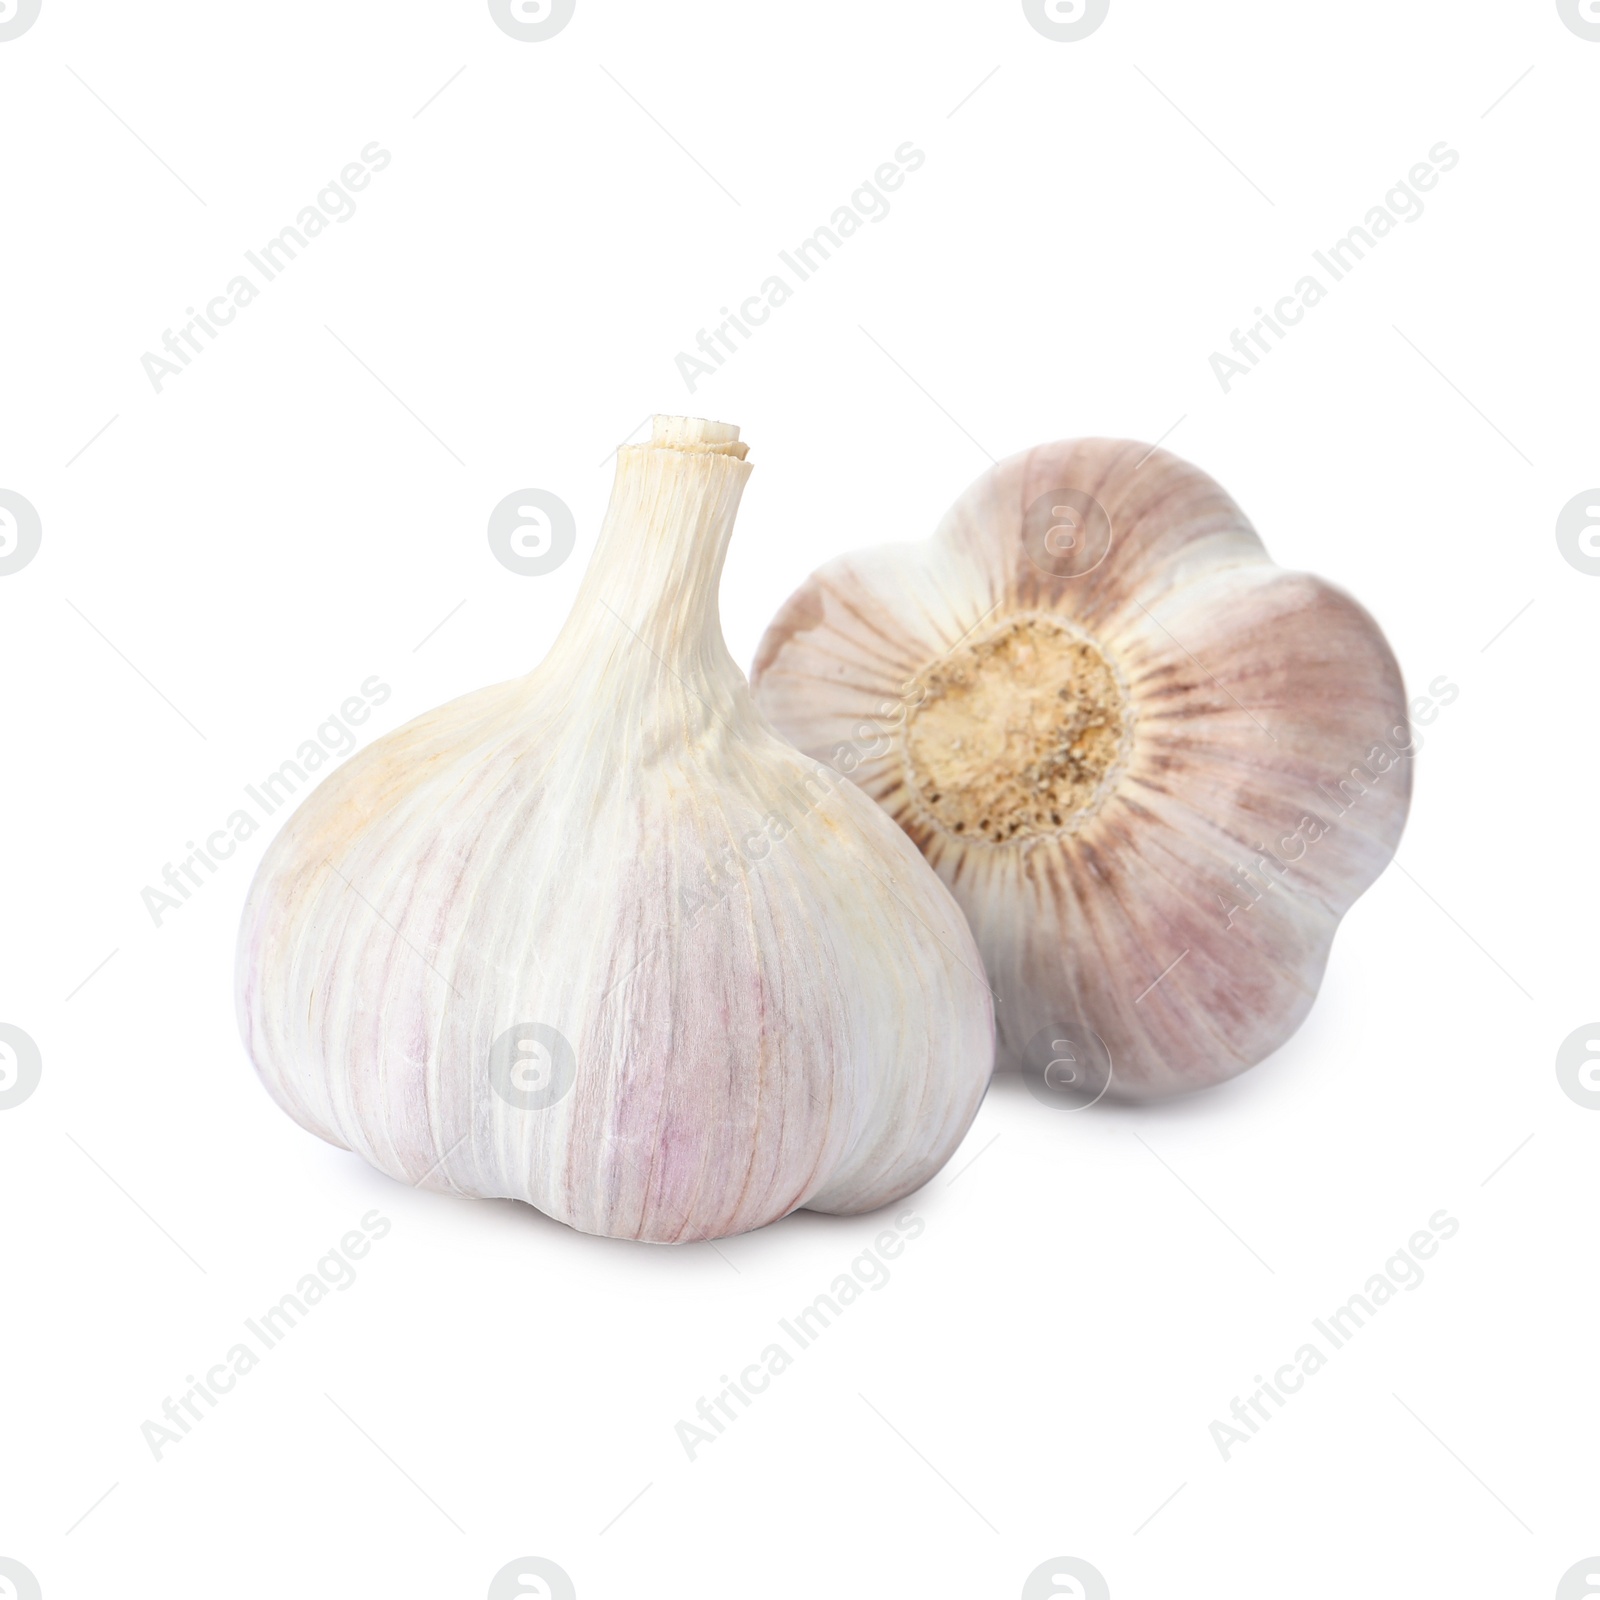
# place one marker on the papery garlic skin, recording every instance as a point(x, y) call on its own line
point(1119, 733)
point(745, 990)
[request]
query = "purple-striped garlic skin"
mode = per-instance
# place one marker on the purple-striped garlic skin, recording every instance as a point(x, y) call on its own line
point(597, 939)
point(1154, 768)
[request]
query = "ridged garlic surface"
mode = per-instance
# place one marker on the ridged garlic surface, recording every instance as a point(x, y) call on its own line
point(599, 940)
point(1154, 768)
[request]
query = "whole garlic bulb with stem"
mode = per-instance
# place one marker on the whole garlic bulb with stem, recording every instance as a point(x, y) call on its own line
point(599, 940)
point(1154, 768)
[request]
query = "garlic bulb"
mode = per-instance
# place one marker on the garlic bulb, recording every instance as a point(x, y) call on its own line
point(1154, 768)
point(598, 940)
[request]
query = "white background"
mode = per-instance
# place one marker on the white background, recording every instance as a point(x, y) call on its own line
point(306, 504)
